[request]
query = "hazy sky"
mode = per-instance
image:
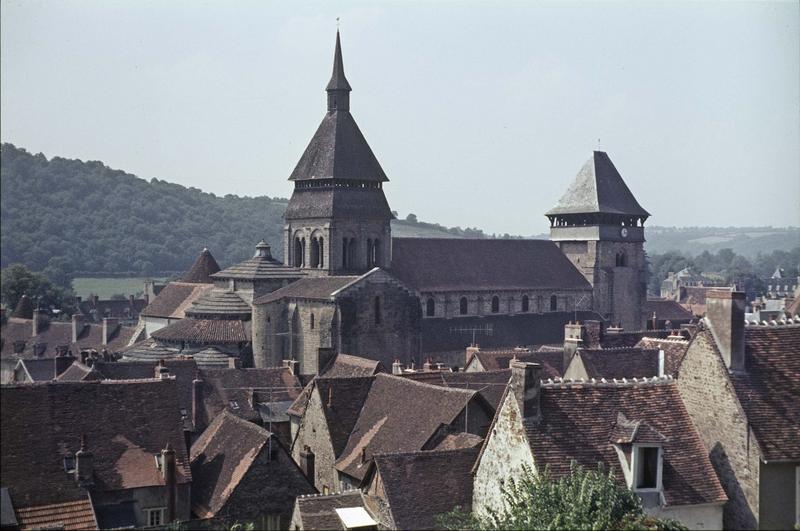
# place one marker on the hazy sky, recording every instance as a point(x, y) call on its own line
point(480, 113)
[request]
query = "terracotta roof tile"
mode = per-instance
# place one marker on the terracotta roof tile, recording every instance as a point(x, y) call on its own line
point(769, 389)
point(674, 352)
point(319, 512)
point(75, 515)
point(551, 360)
point(490, 384)
point(315, 288)
point(173, 300)
point(619, 362)
point(666, 309)
point(202, 269)
point(345, 365)
point(579, 421)
point(419, 486)
point(55, 334)
point(126, 424)
point(205, 331)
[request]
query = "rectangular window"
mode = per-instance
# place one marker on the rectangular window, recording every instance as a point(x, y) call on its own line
point(155, 516)
point(647, 467)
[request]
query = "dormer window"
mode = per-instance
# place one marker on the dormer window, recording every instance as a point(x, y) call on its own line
point(647, 467)
point(69, 463)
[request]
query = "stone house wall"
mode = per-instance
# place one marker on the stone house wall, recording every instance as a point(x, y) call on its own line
point(313, 432)
point(710, 400)
point(147, 498)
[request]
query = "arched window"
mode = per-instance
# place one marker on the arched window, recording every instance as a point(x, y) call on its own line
point(430, 307)
point(526, 304)
point(495, 304)
point(298, 252)
point(377, 310)
point(311, 322)
point(462, 306)
point(553, 303)
point(314, 252)
point(376, 252)
point(351, 254)
point(321, 262)
point(623, 260)
point(370, 253)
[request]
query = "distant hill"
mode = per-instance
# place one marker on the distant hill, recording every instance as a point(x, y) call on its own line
point(84, 218)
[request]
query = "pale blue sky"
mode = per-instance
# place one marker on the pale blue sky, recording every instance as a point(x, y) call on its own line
point(480, 113)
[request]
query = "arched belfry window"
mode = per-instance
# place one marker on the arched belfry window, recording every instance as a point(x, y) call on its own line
point(495, 304)
point(463, 306)
point(298, 252)
point(376, 252)
point(430, 307)
point(311, 322)
point(370, 253)
point(553, 303)
point(315, 252)
point(526, 303)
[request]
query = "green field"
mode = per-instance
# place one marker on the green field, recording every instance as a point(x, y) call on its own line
point(106, 287)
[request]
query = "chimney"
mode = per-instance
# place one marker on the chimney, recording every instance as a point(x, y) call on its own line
point(84, 462)
point(471, 351)
point(725, 316)
point(324, 357)
point(330, 397)
point(654, 322)
point(110, 326)
point(614, 329)
point(130, 302)
point(397, 368)
point(62, 362)
point(363, 455)
point(526, 385)
point(292, 365)
point(307, 463)
point(428, 365)
point(77, 327)
point(39, 321)
point(233, 362)
point(573, 340)
point(197, 400)
point(169, 470)
point(593, 333)
point(660, 362)
point(162, 372)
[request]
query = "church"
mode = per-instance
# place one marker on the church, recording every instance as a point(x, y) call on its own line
point(348, 286)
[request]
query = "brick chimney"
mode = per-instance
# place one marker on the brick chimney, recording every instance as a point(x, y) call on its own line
point(526, 385)
point(170, 472)
point(307, 463)
point(573, 340)
point(84, 464)
point(593, 333)
point(110, 326)
point(197, 399)
point(77, 326)
point(725, 317)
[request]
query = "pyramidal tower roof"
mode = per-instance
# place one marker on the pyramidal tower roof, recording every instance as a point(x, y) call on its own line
point(338, 150)
point(202, 269)
point(598, 188)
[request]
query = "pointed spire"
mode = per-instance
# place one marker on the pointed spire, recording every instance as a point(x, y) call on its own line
point(338, 88)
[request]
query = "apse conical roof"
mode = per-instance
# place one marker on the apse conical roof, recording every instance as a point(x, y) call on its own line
point(202, 269)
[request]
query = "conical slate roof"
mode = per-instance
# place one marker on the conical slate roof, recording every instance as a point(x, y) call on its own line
point(202, 269)
point(598, 188)
point(338, 150)
point(262, 266)
point(220, 304)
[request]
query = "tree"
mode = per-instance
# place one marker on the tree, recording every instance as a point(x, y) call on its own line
point(583, 499)
point(17, 280)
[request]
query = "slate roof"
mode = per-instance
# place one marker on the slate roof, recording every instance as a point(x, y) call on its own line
point(338, 81)
point(674, 352)
point(619, 362)
point(262, 266)
point(310, 288)
point(490, 384)
point(419, 486)
point(507, 331)
point(173, 300)
point(318, 512)
point(338, 150)
point(223, 455)
point(40, 370)
point(598, 188)
point(769, 389)
point(391, 419)
point(579, 420)
point(75, 515)
point(7, 516)
point(222, 387)
point(219, 303)
point(126, 423)
point(78, 372)
point(552, 361)
point(202, 269)
point(326, 200)
point(345, 365)
point(206, 331)
point(429, 264)
point(56, 334)
point(666, 309)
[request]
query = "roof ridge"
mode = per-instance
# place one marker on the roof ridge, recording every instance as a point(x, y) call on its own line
point(329, 495)
point(392, 377)
point(429, 452)
point(783, 323)
point(564, 383)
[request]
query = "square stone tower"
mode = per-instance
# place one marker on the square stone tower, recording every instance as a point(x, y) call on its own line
point(599, 226)
point(337, 220)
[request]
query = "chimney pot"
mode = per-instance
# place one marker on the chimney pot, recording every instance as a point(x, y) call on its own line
point(397, 367)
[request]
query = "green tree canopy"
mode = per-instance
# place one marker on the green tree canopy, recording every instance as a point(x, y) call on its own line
point(583, 499)
point(17, 280)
